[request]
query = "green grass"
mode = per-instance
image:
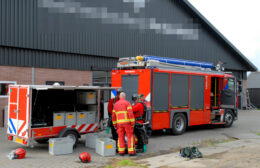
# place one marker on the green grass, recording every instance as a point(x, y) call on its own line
point(125, 162)
point(213, 142)
point(258, 134)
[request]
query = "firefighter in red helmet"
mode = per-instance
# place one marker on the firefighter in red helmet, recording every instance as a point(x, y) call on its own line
point(110, 109)
point(139, 110)
point(124, 121)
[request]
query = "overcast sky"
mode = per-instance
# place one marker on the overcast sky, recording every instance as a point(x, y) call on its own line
point(238, 21)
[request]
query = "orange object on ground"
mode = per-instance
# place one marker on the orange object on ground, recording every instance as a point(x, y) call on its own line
point(19, 153)
point(85, 157)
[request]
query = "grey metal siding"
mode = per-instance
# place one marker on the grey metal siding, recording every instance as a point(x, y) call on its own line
point(179, 90)
point(28, 24)
point(130, 84)
point(254, 95)
point(197, 92)
point(161, 92)
point(47, 59)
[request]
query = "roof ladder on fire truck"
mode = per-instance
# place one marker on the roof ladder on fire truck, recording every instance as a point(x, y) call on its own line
point(147, 61)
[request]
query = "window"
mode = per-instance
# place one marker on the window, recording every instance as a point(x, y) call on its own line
point(53, 82)
point(231, 84)
point(4, 85)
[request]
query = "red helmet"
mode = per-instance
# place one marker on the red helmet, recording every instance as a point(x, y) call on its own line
point(85, 157)
point(19, 153)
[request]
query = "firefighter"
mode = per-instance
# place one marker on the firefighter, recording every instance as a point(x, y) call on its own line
point(110, 109)
point(124, 121)
point(139, 110)
point(142, 98)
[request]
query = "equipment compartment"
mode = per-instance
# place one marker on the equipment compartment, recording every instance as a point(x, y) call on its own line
point(60, 107)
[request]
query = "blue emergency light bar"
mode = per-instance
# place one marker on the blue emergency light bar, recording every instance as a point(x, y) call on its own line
point(178, 61)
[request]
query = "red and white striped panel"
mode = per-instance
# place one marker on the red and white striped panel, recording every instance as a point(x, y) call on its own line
point(83, 128)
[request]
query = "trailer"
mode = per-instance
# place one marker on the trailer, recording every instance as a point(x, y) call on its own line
point(40, 112)
point(179, 93)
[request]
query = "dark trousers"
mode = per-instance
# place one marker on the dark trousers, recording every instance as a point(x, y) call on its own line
point(113, 131)
point(139, 133)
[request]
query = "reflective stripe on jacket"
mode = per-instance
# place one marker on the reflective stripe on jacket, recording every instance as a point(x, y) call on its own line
point(122, 113)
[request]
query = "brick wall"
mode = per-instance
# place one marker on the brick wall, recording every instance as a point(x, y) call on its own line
point(23, 75)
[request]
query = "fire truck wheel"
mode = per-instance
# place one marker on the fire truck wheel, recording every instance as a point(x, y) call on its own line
point(73, 135)
point(228, 118)
point(179, 123)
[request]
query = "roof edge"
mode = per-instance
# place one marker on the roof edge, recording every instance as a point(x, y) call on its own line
point(250, 65)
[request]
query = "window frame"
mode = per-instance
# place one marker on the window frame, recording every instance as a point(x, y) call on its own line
point(7, 82)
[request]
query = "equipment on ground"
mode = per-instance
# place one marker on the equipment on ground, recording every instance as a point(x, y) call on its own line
point(85, 157)
point(60, 146)
point(178, 93)
point(40, 112)
point(91, 140)
point(105, 147)
point(17, 154)
point(190, 152)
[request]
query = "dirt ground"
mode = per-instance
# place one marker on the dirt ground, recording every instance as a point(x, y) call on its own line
point(244, 157)
point(243, 153)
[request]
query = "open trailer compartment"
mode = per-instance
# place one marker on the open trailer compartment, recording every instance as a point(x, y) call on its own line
point(40, 112)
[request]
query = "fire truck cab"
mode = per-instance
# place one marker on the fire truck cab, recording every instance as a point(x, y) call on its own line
point(40, 112)
point(178, 93)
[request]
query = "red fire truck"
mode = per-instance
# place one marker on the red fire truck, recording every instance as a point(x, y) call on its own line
point(179, 93)
point(37, 113)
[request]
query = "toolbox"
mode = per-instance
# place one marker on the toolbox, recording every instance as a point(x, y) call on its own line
point(105, 147)
point(70, 118)
point(91, 140)
point(86, 98)
point(60, 146)
point(58, 118)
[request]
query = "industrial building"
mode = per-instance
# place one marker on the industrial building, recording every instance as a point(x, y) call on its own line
point(253, 87)
point(78, 42)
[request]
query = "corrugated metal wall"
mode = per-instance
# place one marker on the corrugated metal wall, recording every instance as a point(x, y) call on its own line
point(60, 25)
point(48, 59)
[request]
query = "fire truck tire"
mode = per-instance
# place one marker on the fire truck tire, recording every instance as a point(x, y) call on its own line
point(72, 134)
point(179, 124)
point(228, 118)
point(42, 141)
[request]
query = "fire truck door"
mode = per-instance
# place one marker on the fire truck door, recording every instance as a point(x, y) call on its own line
point(130, 85)
point(228, 94)
point(18, 114)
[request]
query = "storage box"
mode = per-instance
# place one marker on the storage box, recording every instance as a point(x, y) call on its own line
point(70, 118)
point(86, 97)
point(91, 117)
point(81, 117)
point(60, 146)
point(91, 140)
point(105, 147)
point(58, 119)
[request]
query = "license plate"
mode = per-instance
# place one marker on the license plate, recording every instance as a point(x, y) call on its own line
point(19, 140)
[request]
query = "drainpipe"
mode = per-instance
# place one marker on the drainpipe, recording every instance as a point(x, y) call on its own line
point(32, 75)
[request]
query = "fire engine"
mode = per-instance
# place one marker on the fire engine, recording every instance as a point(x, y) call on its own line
point(179, 93)
point(40, 112)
